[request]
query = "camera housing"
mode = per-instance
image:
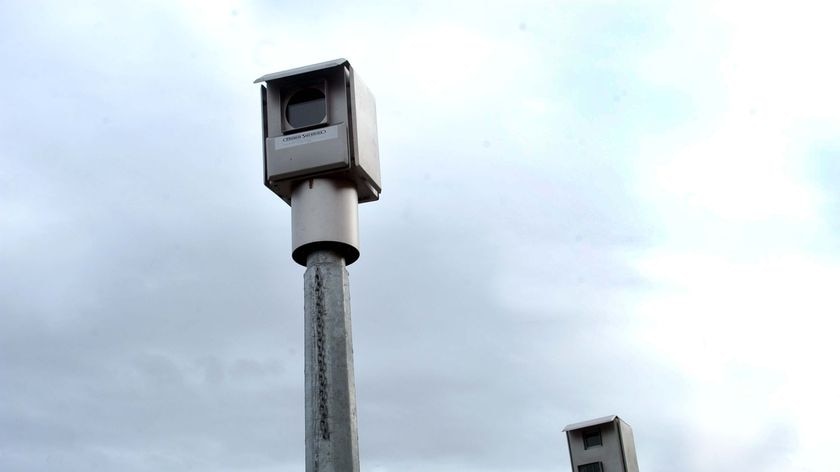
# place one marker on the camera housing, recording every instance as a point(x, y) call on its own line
point(319, 121)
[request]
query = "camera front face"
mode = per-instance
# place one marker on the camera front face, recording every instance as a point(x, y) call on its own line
point(305, 107)
point(312, 100)
point(307, 124)
point(319, 120)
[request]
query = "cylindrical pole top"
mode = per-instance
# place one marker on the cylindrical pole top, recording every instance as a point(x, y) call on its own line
point(325, 216)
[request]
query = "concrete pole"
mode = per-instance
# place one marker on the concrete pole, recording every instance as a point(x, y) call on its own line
point(332, 443)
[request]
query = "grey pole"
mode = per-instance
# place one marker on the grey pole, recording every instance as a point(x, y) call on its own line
point(331, 438)
point(321, 156)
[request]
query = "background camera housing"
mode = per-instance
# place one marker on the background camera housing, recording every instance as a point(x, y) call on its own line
point(319, 121)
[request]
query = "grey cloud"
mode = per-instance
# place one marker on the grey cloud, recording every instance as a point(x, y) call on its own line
point(152, 317)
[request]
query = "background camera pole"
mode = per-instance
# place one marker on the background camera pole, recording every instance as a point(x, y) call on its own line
point(331, 435)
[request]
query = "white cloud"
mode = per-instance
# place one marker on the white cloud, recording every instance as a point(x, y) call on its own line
point(754, 339)
point(524, 184)
point(743, 299)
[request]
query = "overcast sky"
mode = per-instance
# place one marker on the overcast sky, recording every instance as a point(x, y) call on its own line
point(588, 208)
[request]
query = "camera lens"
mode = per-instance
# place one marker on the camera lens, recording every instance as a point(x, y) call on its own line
point(306, 107)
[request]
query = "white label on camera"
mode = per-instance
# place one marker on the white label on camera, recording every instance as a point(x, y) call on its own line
point(306, 137)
